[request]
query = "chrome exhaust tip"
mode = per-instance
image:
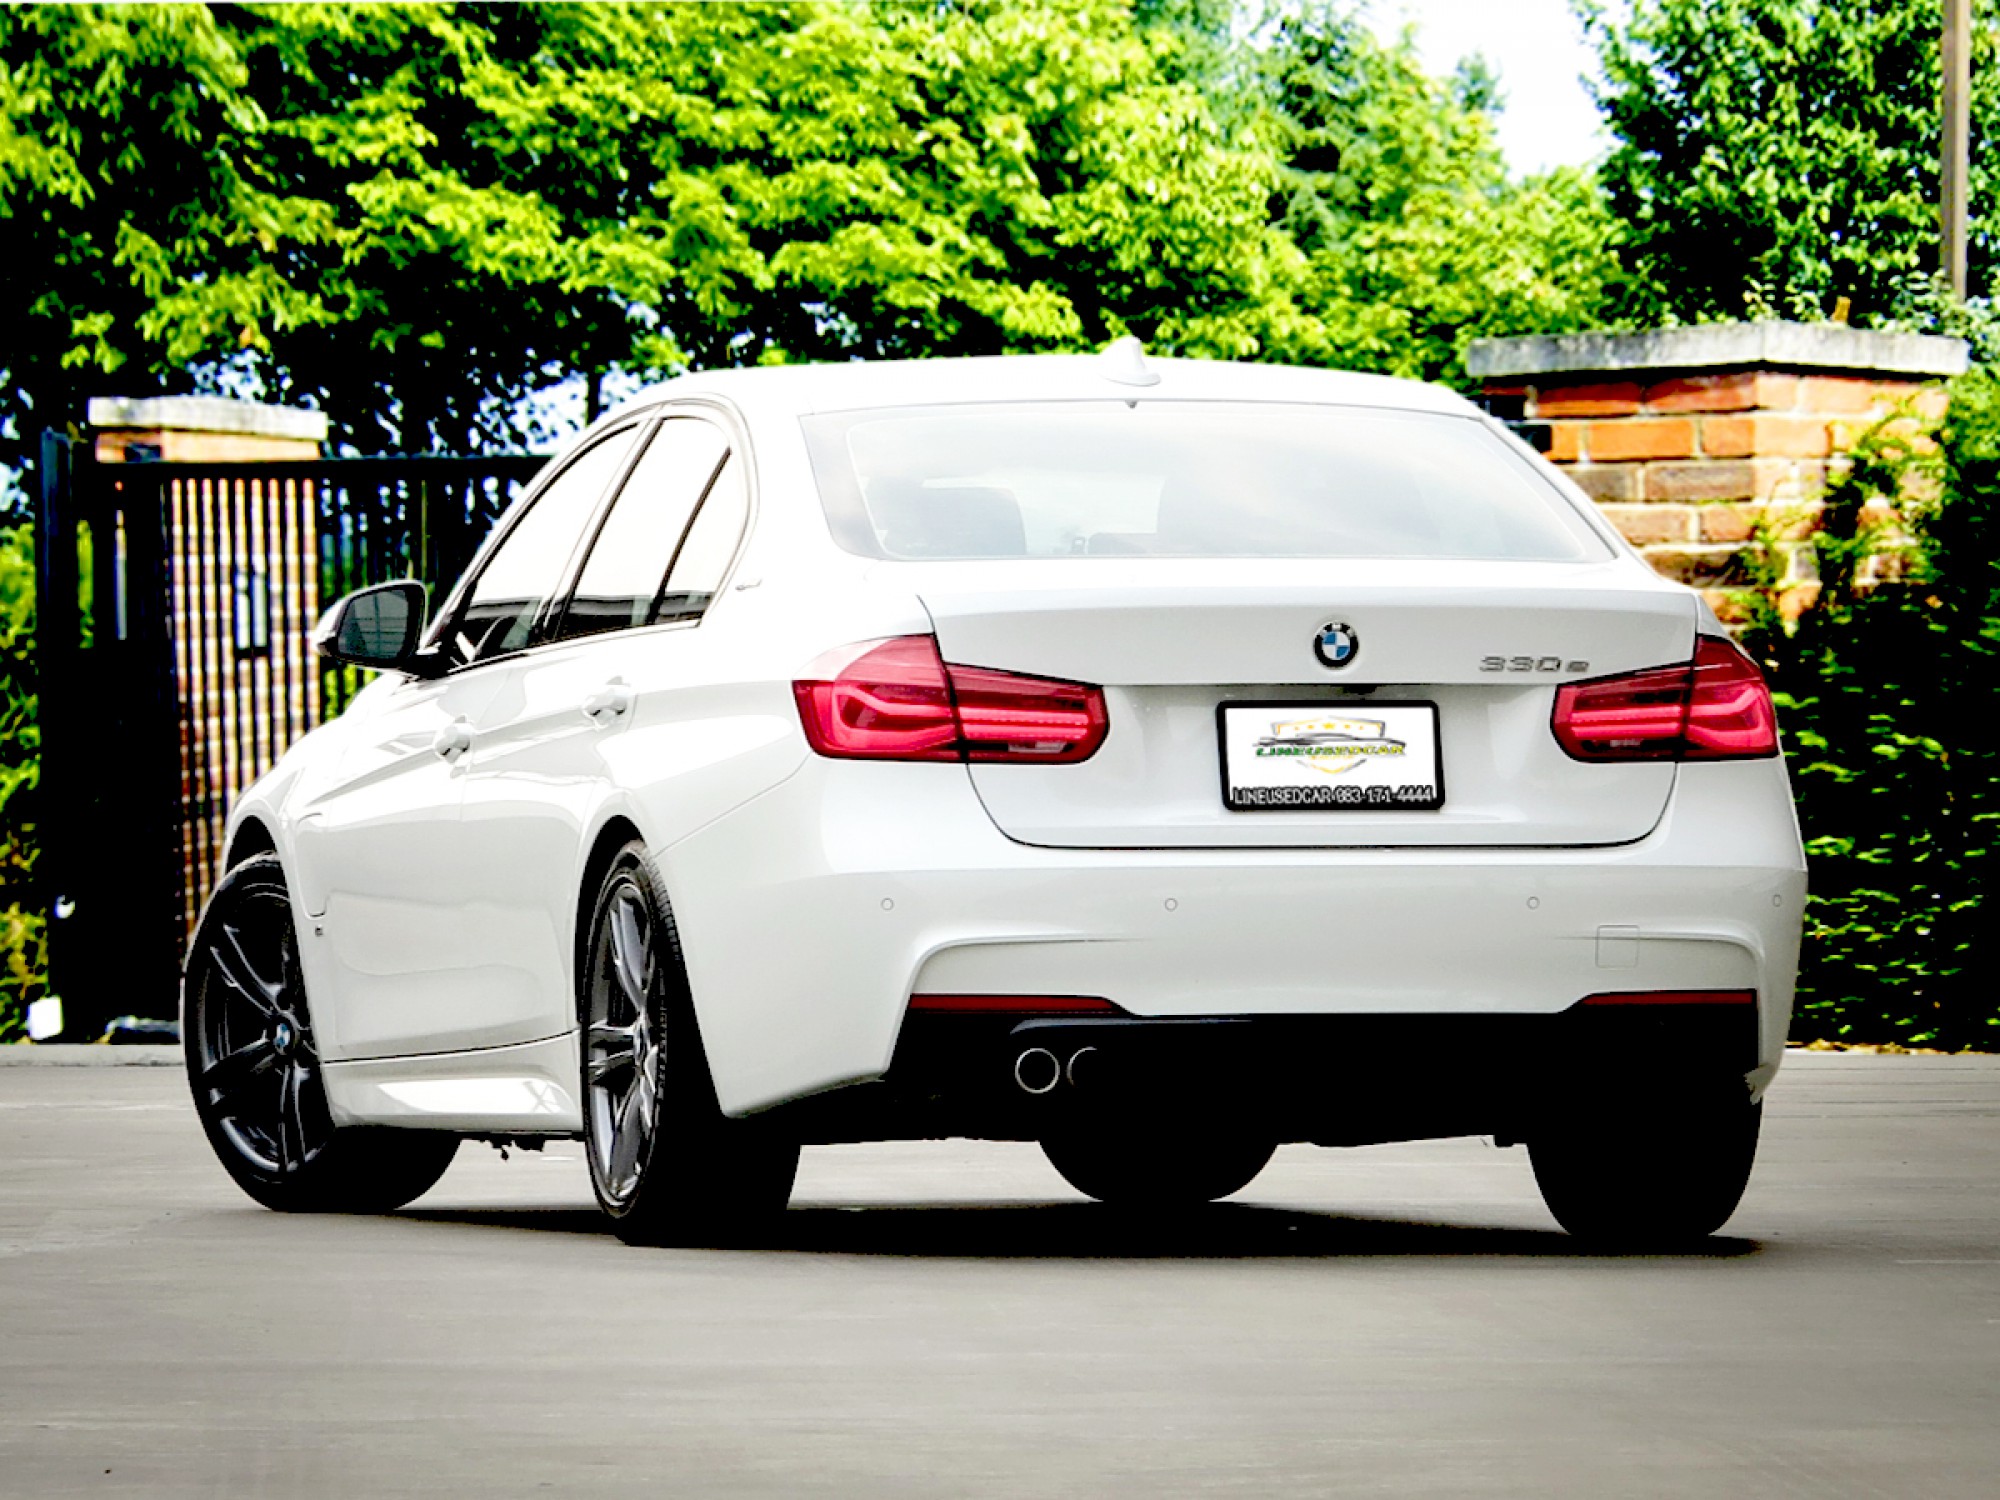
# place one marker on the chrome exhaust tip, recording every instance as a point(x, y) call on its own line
point(1082, 1064)
point(1037, 1070)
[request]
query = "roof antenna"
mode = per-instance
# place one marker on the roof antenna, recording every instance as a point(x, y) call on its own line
point(1124, 361)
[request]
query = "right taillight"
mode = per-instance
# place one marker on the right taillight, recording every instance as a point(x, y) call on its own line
point(1715, 707)
point(899, 700)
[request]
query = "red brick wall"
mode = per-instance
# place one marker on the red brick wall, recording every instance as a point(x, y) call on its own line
point(1687, 466)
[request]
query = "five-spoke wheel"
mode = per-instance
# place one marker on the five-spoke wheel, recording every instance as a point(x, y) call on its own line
point(255, 1070)
point(621, 1046)
point(667, 1164)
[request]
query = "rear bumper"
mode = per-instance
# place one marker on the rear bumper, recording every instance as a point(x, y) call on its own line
point(811, 914)
point(1332, 1080)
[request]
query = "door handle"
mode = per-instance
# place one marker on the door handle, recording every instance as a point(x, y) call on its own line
point(612, 701)
point(453, 739)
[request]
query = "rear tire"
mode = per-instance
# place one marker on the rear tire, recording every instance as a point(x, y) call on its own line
point(1652, 1172)
point(667, 1165)
point(1133, 1166)
point(254, 1069)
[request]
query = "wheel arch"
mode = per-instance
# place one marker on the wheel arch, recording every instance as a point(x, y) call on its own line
point(617, 832)
point(250, 839)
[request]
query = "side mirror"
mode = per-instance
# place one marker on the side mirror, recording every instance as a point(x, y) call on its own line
point(375, 628)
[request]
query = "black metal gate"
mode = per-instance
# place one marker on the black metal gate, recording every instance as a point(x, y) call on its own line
point(175, 601)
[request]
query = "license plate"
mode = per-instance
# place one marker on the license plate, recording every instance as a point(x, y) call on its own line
point(1299, 757)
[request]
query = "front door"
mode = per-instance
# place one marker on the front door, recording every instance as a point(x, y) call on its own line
point(397, 921)
point(379, 851)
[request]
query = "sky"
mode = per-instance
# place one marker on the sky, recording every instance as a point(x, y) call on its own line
point(1537, 48)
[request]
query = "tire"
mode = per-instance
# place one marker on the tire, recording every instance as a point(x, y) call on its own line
point(1652, 1172)
point(254, 1070)
point(1151, 1168)
point(667, 1165)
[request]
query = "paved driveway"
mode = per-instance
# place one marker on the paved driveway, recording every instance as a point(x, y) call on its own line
point(948, 1319)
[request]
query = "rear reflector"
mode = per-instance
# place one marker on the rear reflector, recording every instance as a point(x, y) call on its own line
point(898, 700)
point(1672, 997)
point(1715, 707)
point(1014, 1005)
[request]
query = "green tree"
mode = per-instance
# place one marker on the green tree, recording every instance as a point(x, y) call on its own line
point(1898, 781)
point(136, 235)
point(414, 216)
point(1415, 237)
point(1774, 156)
point(22, 924)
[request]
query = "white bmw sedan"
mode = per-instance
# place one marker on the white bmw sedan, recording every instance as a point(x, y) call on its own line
point(1159, 761)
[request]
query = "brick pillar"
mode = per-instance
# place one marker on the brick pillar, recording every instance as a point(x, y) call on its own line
point(1689, 437)
point(242, 585)
point(202, 429)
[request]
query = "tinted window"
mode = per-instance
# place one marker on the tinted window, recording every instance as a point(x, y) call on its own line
point(1184, 479)
point(629, 560)
point(711, 543)
point(524, 573)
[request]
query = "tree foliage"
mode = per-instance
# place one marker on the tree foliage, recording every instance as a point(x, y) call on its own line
point(1416, 241)
point(417, 217)
point(1773, 156)
point(125, 203)
point(413, 216)
point(1882, 691)
point(23, 925)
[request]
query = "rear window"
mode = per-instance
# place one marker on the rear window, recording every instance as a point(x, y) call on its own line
point(1184, 479)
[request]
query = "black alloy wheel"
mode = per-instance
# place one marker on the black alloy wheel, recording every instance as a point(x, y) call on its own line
point(667, 1165)
point(255, 1071)
point(621, 1049)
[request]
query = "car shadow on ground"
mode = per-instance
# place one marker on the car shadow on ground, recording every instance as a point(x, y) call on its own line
point(1092, 1231)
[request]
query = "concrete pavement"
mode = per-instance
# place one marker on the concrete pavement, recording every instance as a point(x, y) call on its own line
point(947, 1319)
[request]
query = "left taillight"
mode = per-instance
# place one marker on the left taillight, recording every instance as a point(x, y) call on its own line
point(1716, 707)
point(899, 700)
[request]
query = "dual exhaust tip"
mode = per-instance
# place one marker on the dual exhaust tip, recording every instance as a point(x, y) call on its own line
point(1037, 1070)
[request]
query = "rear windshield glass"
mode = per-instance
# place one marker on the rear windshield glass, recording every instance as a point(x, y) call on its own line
point(1184, 479)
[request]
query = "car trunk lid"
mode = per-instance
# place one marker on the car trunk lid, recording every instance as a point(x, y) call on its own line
point(1172, 642)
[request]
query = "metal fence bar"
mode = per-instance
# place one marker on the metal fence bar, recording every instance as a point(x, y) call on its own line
point(207, 579)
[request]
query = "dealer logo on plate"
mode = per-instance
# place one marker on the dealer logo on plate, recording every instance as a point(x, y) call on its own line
point(1330, 745)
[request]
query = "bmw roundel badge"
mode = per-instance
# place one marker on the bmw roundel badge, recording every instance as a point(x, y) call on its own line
point(1336, 645)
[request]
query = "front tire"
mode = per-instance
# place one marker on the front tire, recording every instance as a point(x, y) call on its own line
point(254, 1068)
point(1648, 1172)
point(667, 1165)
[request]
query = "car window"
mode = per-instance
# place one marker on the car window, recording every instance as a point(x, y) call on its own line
point(1184, 479)
point(629, 559)
point(527, 568)
point(711, 542)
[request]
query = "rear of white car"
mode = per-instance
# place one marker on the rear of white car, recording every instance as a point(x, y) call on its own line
point(1174, 812)
point(1159, 762)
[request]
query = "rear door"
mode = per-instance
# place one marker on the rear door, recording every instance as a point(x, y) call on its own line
point(559, 732)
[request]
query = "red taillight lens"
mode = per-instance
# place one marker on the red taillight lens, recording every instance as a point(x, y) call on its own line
point(1005, 717)
point(1730, 716)
point(1640, 716)
point(1714, 708)
point(891, 702)
point(897, 700)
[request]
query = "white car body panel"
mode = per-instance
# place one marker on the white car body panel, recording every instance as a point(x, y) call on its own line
point(528, 1089)
point(1171, 637)
point(439, 900)
point(899, 884)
